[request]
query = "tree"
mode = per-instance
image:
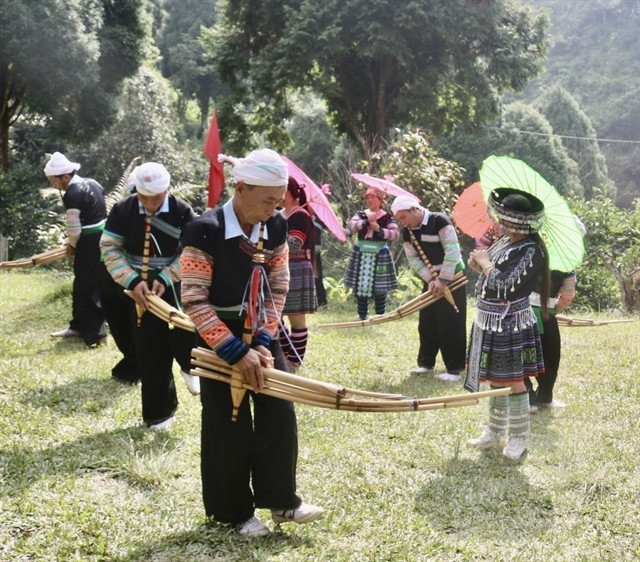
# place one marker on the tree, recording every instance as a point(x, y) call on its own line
point(613, 248)
point(65, 59)
point(144, 127)
point(595, 58)
point(186, 60)
point(380, 63)
point(568, 120)
point(521, 132)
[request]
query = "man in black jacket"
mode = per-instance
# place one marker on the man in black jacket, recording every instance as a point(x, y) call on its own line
point(85, 213)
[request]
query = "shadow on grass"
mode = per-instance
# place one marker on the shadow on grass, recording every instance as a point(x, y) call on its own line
point(487, 495)
point(214, 541)
point(133, 455)
point(82, 395)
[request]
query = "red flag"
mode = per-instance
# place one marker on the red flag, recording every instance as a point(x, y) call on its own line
point(212, 148)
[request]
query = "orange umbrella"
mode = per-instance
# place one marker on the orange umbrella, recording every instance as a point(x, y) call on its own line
point(470, 212)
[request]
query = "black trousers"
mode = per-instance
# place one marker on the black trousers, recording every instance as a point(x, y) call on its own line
point(321, 292)
point(87, 316)
point(117, 312)
point(249, 463)
point(443, 329)
point(156, 346)
point(551, 346)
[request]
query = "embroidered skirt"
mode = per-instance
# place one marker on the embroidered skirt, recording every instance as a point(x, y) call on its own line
point(505, 343)
point(301, 298)
point(371, 270)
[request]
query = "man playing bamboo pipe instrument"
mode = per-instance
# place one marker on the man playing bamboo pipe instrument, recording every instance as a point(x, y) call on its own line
point(140, 247)
point(248, 463)
point(85, 214)
point(431, 246)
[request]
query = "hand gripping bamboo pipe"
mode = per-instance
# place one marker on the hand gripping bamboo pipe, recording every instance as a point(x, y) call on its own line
point(432, 270)
point(414, 305)
point(327, 395)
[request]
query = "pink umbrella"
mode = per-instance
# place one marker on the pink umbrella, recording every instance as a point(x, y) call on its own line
point(317, 200)
point(383, 185)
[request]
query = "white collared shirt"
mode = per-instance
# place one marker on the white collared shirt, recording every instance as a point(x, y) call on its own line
point(232, 228)
point(164, 208)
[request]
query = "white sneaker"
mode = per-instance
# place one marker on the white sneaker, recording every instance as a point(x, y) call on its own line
point(515, 448)
point(488, 440)
point(448, 377)
point(303, 514)
point(253, 527)
point(66, 333)
point(421, 370)
point(193, 383)
point(552, 404)
point(162, 426)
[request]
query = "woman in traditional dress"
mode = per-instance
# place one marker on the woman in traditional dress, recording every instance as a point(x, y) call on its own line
point(371, 272)
point(505, 342)
point(301, 299)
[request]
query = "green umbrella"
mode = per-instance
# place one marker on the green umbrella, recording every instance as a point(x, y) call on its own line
point(560, 230)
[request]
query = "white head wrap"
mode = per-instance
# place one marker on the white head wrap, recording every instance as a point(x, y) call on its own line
point(131, 180)
point(58, 165)
point(151, 178)
point(260, 167)
point(404, 203)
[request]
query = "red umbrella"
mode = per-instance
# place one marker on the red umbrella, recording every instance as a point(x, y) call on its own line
point(383, 185)
point(470, 212)
point(317, 200)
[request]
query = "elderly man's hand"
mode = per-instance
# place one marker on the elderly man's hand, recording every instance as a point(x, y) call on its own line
point(251, 366)
point(139, 294)
point(437, 287)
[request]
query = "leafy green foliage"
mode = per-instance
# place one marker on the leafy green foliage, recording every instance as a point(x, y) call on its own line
point(65, 59)
point(540, 150)
point(567, 119)
point(30, 222)
point(595, 57)
point(145, 127)
point(613, 254)
point(379, 64)
point(412, 163)
point(186, 61)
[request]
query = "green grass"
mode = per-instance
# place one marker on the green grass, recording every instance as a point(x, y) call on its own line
point(81, 479)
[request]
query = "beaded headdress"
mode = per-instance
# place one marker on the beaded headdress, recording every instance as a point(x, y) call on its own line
point(516, 211)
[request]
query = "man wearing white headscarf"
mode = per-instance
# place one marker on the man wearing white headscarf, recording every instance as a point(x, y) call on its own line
point(431, 244)
point(85, 214)
point(140, 248)
point(251, 462)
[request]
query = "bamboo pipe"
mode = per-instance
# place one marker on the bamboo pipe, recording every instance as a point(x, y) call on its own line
point(208, 360)
point(354, 404)
point(421, 301)
point(434, 273)
point(585, 322)
point(39, 259)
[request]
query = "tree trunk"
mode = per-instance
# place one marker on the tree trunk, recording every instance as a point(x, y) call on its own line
point(4, 141)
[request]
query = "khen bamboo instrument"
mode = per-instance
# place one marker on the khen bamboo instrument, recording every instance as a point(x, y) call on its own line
point(585, 322)
point(58, 253)
point(39, 259)
point(327, 395)
point(421, 301)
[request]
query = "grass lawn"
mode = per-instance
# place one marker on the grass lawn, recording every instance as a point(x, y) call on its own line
point(82, 480)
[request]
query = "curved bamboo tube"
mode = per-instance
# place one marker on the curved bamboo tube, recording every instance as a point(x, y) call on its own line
point(414, 305)
point(326, 395)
